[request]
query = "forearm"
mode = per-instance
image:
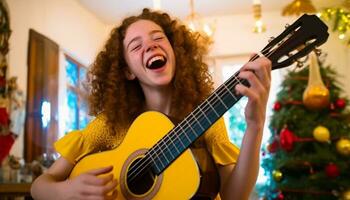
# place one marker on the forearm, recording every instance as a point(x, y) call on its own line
point(45, 187)
point(242, 179)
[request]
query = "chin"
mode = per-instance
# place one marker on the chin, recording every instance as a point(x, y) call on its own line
point(163, 83)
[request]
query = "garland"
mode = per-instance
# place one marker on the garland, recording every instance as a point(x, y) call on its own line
point(5, 31)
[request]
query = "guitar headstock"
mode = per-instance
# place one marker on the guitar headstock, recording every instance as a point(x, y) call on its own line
point(299, 39)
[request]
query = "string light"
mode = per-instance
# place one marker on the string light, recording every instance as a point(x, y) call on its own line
point(197, 24)
point(338, 19)
point(259, 26)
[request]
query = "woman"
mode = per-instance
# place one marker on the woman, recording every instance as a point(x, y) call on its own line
point(152, 62)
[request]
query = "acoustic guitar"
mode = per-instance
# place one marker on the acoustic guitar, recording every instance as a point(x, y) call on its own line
point(154, 160)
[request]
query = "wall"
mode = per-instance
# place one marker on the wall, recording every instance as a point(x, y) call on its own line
point(77, 32)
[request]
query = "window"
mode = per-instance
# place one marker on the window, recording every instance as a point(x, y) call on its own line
point(223, 68)
point(73, 96)
point(234, 117)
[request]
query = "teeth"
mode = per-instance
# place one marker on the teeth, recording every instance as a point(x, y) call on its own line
point(154, 59)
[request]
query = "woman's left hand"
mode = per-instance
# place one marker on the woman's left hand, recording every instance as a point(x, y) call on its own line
point(258, 74)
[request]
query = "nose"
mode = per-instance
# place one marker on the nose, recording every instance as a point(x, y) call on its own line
point(151, 46)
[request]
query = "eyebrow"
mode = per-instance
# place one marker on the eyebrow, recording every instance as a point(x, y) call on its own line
point(138, 37)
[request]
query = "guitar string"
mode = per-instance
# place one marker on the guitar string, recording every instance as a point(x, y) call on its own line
point(148, 162)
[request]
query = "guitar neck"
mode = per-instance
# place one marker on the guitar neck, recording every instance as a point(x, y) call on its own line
point(195, 124)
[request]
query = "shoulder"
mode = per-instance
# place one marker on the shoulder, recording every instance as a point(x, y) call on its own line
point(217, 132)
point(98, 133)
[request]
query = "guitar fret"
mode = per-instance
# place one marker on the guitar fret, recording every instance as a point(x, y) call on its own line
point(237, 79)
point(230, 92)
point(204, 115)
point(154, 163)
point(220, 100)
point(197, 121)
point(159, 159)
point(162, 152)
point(190, 127)
point(185, 133)
point(177, 137)
point(217, 115)
point(172, 142)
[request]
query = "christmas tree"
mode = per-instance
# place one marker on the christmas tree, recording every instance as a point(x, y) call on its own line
point(308, 155)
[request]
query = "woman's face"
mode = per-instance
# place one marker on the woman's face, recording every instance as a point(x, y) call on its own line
point(149, 54)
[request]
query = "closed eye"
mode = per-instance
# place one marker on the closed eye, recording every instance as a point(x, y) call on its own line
point(159, 38)
point(137, 47)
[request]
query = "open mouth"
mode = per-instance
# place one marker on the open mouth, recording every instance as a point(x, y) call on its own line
point(156, 62)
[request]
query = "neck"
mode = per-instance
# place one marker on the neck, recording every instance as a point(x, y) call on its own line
point(158, 99)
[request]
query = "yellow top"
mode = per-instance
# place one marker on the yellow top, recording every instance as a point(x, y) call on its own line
point(96, 137)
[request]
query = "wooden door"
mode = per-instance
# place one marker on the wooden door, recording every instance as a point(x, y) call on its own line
point(42, 85)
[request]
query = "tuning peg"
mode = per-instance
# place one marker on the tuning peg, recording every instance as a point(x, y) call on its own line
point(300, 64)
point(318, 52)
point(271, 38)
point(286, 26)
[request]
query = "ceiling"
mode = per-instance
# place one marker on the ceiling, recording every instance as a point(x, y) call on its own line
point(111, 11)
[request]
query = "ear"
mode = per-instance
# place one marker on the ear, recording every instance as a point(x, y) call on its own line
point(129, 75)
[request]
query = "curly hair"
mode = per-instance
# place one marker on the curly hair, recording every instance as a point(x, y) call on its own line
point(122, 100)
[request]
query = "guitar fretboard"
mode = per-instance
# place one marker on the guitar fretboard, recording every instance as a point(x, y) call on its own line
point(194, 125)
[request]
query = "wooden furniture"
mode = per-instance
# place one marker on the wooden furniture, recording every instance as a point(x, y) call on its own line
point(15, 190)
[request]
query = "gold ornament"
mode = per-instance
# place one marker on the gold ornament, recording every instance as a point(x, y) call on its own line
point(298, 7)
point(277, 175)
point(316, 95)
point(346, 195)
point(343, 147)
point(321, 134)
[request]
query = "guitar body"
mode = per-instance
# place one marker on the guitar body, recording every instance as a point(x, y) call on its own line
point(179, 181)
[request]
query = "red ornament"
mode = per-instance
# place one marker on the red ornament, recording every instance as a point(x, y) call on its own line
point(4, 117)
point(332, 170)
point(277, 106)
point(272, 147)
point(6, 142)
point(340, 103)
point(287, 139)
point(2, 82)
point(280, 196)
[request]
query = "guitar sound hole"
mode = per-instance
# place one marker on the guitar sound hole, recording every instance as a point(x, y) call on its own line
point(142, 182)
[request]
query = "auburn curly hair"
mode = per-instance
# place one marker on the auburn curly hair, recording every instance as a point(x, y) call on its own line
point(122, 100)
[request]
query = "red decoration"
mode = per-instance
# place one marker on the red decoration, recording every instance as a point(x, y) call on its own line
point(332, 170)
point(340, 103)
point(4, 117)
point(287, 139)
point(280, 196)
point(2, 82)
point(6, 143)
point(277, 106)
point(272, 147)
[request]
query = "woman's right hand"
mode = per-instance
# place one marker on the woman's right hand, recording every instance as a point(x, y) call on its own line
point(91, 186)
